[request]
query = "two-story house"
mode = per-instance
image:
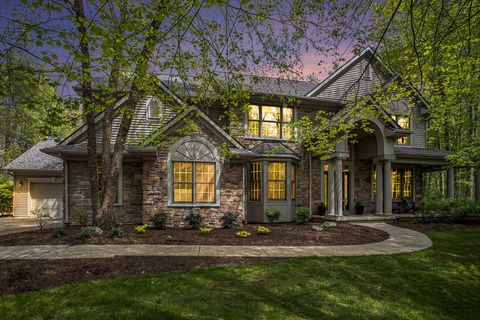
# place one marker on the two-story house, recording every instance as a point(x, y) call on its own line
point(189, 173)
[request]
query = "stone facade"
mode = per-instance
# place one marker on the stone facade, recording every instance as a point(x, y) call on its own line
point(80, 201)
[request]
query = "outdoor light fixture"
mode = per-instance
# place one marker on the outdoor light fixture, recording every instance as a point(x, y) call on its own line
point(20, 183)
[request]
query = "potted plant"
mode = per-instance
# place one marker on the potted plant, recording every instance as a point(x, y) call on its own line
point(322, 209)
point(359, 207)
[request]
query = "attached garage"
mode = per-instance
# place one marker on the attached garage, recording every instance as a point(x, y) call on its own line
point(47, 196)
point(38, 182)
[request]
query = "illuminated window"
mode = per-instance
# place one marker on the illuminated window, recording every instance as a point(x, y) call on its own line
point(407, 183)
point(402, 183)
point(325, 184)
point(294, 182)
point(374, 180)
point(404, 123)
point(270, 121)
point(277, 180)
point(256, 181)
point(193, 172)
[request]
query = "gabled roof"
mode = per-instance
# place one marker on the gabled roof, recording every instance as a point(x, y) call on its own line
point(35, 160)
point(366, 53)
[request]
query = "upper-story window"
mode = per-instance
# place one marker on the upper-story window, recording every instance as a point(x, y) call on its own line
point(404, 123)
point(270, 121)
point(155, 109)
point(367, 72)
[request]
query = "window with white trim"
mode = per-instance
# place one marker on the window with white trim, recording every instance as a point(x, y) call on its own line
point(194, 170)
point(270, 121)
point(155, 109)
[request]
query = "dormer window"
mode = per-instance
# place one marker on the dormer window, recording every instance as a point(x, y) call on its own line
point(155, 109)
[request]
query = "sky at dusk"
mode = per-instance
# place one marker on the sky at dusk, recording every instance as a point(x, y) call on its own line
point(314, 63)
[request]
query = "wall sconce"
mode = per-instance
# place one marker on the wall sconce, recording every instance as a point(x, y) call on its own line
point(20, 183)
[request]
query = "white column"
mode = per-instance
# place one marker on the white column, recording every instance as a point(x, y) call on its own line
point(450, 183)
point(387, 187)
point(379, 188)
point(339, 187)
point(330, 190)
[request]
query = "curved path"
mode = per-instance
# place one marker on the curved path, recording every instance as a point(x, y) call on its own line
point(400, 241)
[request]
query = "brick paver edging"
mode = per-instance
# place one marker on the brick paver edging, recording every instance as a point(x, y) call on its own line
point(400, 241)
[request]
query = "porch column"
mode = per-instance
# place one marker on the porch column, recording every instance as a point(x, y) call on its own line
point(379, 188)
point(387, 187)
point(330, 190)
point(450, 183)
point(339, 187)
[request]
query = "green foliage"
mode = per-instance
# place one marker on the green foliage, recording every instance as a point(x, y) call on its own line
point(83, 218)
point(86, 233)
point(303, 215)
point(243, 234)
point(447, 210)
point(194, 220)
point(206, 230)
point(41, 218)
point(116, 232)
point(6, 197)
point(229, 219)
point(263, 230)
point(142, 228)
point(16, 271)
point(159, 220)
point(272, 215)
point(59, 232)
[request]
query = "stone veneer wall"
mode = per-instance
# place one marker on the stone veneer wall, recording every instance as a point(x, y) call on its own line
point(363, 185)
point(155, 184)
point(79, 199)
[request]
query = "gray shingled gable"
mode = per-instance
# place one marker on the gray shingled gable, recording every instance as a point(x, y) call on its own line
point(35, 160)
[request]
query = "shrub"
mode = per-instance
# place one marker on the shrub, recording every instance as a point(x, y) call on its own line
point(82, 218)
point(206, 230)
point(194, 220)
point(142, 228)
point(6, 198)
point(159, 220)
point(303, 215)
point(86, 234)
point(272, 214)
point(243, 234)
point(41, 218)
point(16, 271)
point(116, 232)
point(59, 232)
point(263, 230)
point(229, 219)
point(447, 210)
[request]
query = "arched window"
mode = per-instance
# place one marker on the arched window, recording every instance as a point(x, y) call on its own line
point(155, 109)
point(194, 172)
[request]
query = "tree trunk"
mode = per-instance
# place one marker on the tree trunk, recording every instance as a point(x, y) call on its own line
point(136, 92)
point(88, 106)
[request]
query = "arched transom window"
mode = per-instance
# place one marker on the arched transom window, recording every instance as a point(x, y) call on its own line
point(193, 163)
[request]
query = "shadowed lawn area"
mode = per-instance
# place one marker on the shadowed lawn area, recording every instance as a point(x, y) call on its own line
point(442, 282)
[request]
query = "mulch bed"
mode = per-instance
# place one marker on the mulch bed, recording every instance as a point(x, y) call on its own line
point(32, 275)
point(288, 234)
point(428, 227)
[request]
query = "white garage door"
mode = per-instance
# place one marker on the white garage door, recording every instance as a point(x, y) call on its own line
point(48, 196)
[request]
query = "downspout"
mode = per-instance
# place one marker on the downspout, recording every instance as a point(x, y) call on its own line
point(310, 180)
point(65, 205)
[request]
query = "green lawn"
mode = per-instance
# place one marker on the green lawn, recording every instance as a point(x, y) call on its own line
point(442, 282)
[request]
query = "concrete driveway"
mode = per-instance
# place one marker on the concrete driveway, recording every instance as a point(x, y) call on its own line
point(14, 225)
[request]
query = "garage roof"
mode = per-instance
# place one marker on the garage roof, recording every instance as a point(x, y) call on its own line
point(34, 159)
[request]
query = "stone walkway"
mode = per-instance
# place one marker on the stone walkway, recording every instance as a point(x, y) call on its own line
point(400, 241)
